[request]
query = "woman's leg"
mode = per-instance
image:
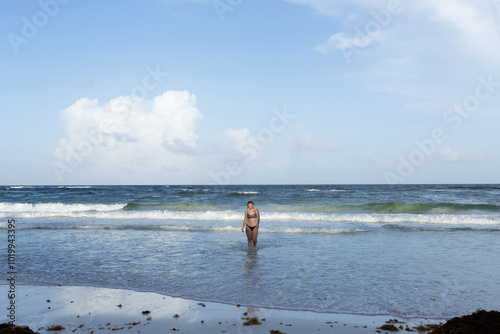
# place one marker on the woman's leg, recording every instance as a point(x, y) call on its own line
point(255, 233)
point(249, 236)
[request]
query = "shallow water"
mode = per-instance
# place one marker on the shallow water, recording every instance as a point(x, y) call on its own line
point(418, 251)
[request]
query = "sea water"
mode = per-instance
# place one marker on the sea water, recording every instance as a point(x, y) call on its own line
point(406, 250)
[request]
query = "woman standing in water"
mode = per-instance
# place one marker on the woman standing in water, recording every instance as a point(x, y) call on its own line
point(252, 220)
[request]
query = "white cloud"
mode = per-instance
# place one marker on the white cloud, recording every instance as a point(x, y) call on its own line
point(337, 7)
point(307, 144)
point(475, 24)
point(448, 154)
point(473, 21)
point(243, 142)
point(128, 134)
point(428, 55)
point(301, 143)
point(342, 42)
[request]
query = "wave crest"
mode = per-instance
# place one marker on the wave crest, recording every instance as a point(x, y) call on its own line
point(56, 208)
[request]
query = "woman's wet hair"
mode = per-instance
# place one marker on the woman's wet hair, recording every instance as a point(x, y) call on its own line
point(249, 202)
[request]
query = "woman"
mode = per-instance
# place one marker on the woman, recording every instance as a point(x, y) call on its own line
point(252, 220)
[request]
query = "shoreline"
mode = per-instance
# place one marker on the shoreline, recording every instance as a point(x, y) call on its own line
point(87, 309)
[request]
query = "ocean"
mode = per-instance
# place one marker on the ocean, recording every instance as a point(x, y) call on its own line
point(406, 250)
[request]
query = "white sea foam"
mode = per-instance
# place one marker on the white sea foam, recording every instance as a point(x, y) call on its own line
point(53, 209)
point(115, 212)
point(186, 227)
point(311, 230)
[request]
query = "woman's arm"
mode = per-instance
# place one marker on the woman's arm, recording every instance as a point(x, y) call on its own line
point(244, 222)
point(258, 218)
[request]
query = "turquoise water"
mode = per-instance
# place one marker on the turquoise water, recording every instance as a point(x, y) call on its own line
point(407, 250)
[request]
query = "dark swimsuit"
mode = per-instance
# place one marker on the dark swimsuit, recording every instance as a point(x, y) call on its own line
point(254, 216)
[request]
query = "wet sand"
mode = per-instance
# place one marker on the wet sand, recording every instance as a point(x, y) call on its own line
point(97, 310)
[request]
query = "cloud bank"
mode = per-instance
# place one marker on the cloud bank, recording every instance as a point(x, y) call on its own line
point(129, 135)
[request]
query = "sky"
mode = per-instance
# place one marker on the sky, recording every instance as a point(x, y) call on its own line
point(249, 92)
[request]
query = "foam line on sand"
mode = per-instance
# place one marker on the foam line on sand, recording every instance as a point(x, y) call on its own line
point(84, 309)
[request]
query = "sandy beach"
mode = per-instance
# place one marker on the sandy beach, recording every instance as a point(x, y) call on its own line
point(83, 309)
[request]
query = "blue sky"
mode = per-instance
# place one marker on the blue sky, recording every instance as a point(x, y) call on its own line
point(243, 92)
